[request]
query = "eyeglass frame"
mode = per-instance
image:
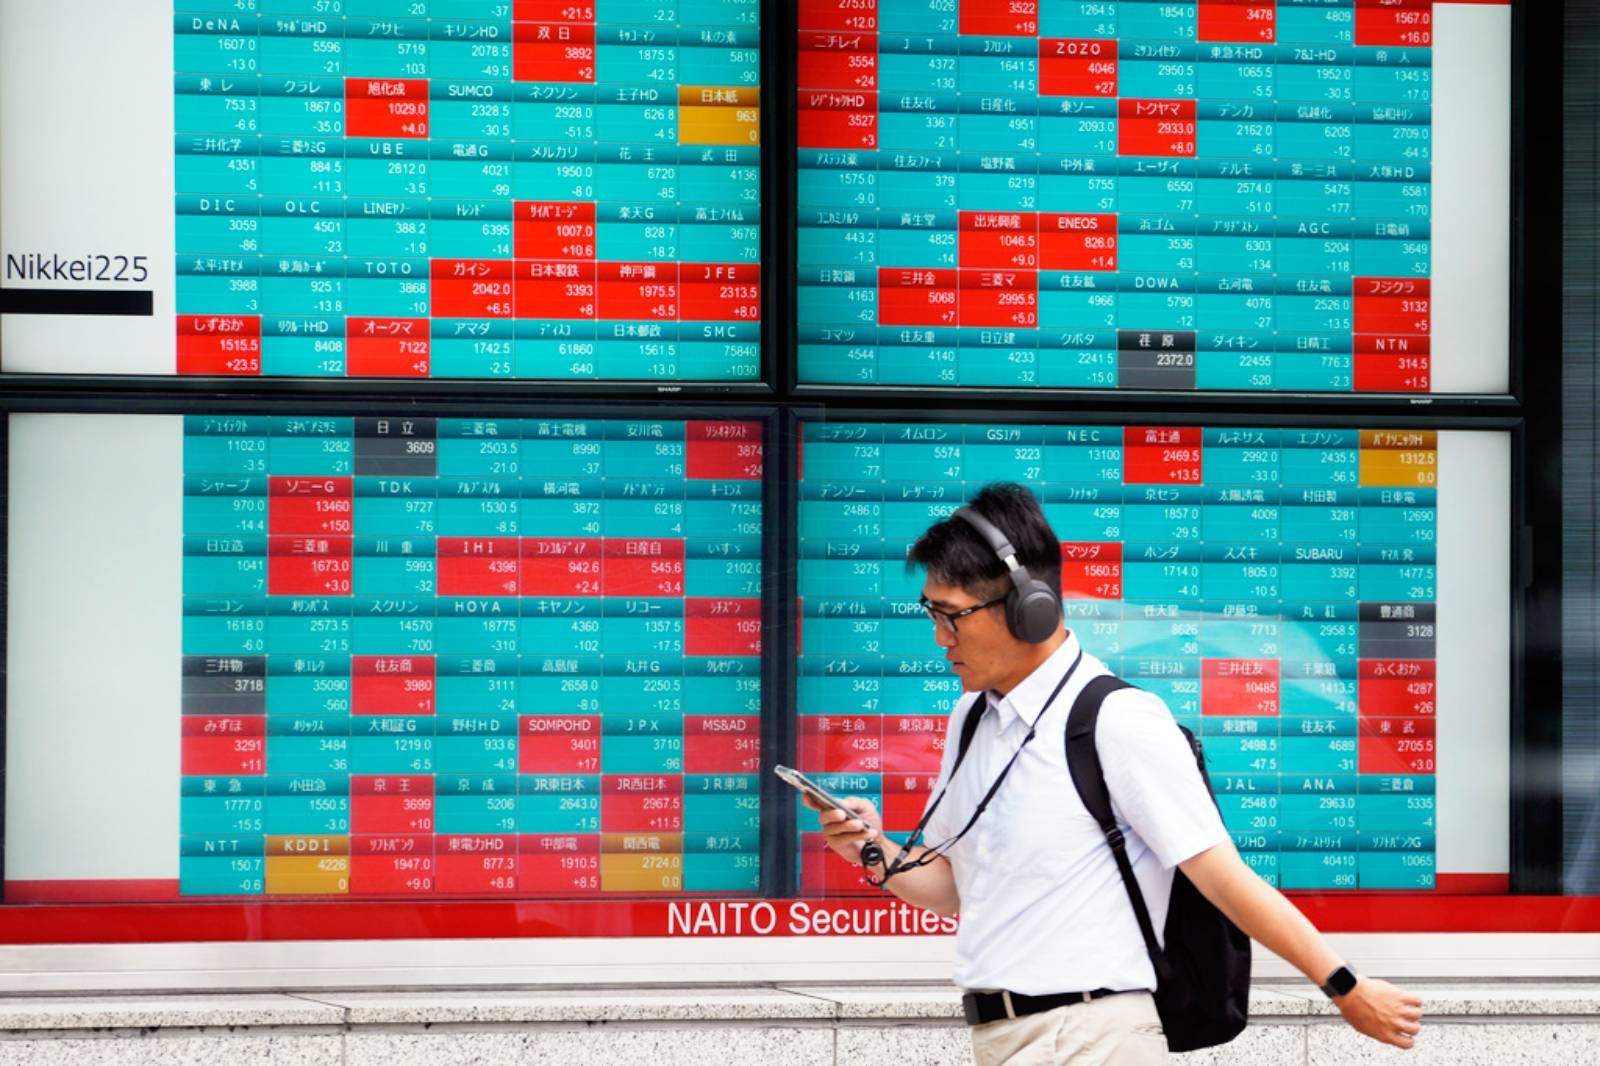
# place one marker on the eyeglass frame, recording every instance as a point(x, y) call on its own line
point(947, 619)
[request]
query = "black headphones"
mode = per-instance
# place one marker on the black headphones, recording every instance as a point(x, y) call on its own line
point(1032, 610)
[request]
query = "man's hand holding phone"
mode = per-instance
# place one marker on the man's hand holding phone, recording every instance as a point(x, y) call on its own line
point(847, 832)
point(849, 823)
point(854, 830)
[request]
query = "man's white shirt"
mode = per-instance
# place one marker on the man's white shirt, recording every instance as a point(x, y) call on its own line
point(1043, 908)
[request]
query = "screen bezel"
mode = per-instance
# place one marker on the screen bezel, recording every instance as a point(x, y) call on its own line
point(764, 385)
point(1352, 910)
point(1530, 198)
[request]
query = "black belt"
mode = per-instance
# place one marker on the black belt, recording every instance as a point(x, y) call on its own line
point(981, 1007)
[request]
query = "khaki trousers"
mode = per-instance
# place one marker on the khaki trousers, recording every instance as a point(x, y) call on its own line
point(1120, 1030)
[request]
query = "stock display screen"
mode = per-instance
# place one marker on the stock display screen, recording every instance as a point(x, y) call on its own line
point(1277, 588)
point(469, 656)
point(1140, 194)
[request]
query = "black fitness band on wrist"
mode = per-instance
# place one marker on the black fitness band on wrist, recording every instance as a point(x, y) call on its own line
point(1339, 983)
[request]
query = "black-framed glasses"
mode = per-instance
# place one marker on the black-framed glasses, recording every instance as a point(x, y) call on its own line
point(946, 620)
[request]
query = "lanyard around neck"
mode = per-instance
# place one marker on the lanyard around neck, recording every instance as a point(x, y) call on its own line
point(901, 863)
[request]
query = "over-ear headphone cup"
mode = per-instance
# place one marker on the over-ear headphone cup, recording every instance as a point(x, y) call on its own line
point(1033, 613)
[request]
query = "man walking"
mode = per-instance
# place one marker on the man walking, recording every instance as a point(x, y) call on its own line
point(1049, 950)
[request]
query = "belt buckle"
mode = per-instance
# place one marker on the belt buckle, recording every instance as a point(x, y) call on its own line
point(970, 1009)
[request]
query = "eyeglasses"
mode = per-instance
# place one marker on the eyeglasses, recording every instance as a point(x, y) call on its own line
point(946, 620)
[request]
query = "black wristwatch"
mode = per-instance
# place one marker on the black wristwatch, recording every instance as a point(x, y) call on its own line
point(1339, 982)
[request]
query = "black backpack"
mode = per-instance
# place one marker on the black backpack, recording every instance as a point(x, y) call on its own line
point(1203, 975)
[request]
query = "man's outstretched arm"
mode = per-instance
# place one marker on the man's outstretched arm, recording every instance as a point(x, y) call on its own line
point(1374, 1007)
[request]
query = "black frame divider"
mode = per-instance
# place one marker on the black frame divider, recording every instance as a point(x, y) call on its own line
point(1537, 235)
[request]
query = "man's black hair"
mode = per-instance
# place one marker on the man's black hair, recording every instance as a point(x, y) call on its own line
point(954, 553)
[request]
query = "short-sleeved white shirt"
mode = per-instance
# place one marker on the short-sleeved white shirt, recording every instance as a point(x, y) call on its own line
point(1043, 908)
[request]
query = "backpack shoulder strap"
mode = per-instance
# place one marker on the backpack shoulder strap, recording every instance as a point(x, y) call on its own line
point(1083, 762)
point(969, 728)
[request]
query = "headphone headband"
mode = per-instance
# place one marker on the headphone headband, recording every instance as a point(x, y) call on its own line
point(1033, 611)
point(992, 534)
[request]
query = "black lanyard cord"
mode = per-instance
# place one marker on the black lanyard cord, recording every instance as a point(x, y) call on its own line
point(901, 861)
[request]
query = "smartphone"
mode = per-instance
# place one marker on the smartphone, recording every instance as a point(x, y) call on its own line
point(800, 781)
